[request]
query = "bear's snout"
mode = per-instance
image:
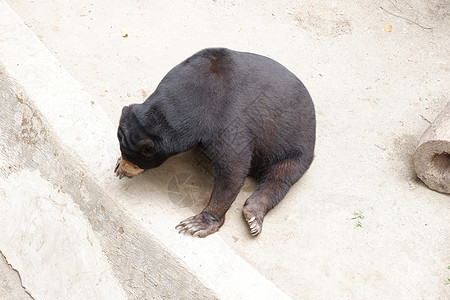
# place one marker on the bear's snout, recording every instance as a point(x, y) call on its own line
point(126, 169)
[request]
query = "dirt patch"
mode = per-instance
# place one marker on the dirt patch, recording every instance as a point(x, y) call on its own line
point(323, 21)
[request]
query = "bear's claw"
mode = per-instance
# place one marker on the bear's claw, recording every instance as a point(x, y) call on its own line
point(200, 225)
point(254, 222)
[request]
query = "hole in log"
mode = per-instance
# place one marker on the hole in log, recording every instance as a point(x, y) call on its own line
point(441, 163)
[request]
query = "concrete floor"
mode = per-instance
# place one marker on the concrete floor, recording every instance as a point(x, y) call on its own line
point(375, 93)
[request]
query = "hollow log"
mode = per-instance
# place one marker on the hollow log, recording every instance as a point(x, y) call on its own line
point(432, 156)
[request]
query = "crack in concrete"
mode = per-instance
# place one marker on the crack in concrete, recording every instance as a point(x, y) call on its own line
point(18, 274)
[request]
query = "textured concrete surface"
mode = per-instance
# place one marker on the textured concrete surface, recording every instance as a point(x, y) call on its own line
point(359, 224)
point(45, 235)
point(10, 283)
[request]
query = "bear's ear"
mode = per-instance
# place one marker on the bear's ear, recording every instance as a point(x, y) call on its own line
point(146, 147)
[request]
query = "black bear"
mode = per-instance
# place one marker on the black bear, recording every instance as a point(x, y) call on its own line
point(247, 112)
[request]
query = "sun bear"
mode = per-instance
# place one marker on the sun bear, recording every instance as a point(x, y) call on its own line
point(250, 115)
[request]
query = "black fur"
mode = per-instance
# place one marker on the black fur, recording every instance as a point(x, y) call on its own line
point(251, 116)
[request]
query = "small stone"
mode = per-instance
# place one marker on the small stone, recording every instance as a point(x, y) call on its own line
point(124, 32)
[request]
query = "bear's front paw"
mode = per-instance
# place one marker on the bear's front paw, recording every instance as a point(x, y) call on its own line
point(200, 225)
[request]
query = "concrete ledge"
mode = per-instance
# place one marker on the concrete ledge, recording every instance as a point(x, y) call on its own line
point(69, 231)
